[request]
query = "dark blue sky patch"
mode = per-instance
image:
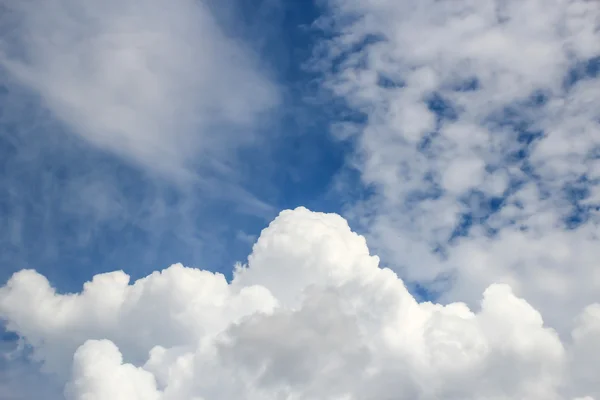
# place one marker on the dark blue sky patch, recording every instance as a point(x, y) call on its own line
point(422, 292)
point(527, 137)
point(462, 227)
point(479, 208)
point(7, 336)
point(521, 148)
point(466, 85)
point(348, 58)
point(509, 118)
point(537, 99)
point(592, 67)
point(578, 216)
point(431, 290)
point(386, 81)
point(575, 193)
point(441, 107)
point(587, 69)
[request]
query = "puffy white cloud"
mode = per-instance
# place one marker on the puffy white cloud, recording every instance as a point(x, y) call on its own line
point(479, 115)
point(165, 88)
point(311, 316)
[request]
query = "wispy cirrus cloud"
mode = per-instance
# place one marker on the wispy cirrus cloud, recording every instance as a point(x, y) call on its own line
point(163, 87)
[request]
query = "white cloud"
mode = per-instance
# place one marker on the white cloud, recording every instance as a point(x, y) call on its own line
point(163, 87)
point(312, 316)
point(451, 91)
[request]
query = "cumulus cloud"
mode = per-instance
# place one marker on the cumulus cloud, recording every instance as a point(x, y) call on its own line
point(311, 316)
point(479, 138)
point(164, 88)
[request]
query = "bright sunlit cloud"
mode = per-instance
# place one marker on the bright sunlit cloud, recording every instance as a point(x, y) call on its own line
point(311, 316)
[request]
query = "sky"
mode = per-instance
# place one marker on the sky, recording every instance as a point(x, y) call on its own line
point(329, 199)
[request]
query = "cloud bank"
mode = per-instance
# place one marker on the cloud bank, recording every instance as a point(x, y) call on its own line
point(163, 87)
point(478, 133)
point(311, 316)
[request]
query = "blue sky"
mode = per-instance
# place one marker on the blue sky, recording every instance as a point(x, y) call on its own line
point(460, 139)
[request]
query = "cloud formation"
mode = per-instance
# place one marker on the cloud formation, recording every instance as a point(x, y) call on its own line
point(311, 316)
point(479, 135)
point(164, 88)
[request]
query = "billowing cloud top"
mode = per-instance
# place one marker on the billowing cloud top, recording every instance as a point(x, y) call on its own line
point(312, 316)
